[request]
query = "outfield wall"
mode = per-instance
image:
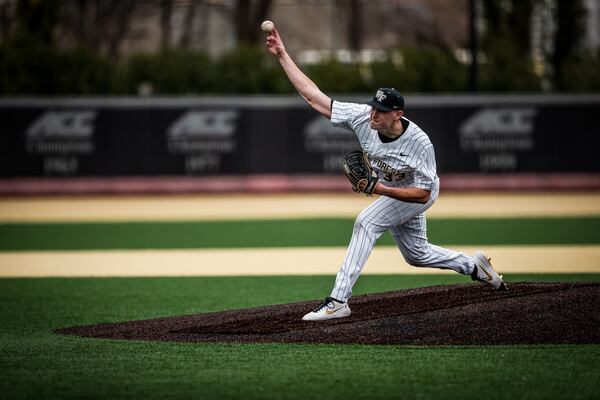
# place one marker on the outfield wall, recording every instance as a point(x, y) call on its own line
point(216, 143)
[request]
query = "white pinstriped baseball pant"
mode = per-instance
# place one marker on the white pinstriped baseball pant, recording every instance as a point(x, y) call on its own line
point(408, 227)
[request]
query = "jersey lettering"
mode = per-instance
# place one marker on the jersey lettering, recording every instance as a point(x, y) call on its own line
point(389, 173)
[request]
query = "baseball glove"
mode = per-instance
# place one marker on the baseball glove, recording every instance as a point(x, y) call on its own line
point(359, 172)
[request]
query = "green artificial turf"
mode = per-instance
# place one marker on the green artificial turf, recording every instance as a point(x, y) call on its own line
point(37, 363)
point(285, 233)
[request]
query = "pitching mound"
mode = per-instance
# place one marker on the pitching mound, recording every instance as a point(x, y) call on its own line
point(468, 314)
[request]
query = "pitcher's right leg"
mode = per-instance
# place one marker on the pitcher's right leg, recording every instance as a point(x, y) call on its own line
point(411, 238)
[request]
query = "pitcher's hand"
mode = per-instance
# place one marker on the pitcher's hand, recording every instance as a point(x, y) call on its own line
point(275, 44)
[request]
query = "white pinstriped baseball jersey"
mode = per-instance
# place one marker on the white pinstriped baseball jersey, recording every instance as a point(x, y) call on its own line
point(408, 161)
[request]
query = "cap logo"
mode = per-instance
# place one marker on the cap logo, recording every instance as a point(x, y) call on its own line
point(380, 96)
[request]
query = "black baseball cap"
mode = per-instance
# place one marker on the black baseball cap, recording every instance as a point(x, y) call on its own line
point(387, 99)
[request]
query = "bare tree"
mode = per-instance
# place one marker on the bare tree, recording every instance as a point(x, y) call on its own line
point(354, 23)
point(99, 24)
point(166, 10)
point(248, 14)
point(7, 17)
point(188, 23)
point(570, 28)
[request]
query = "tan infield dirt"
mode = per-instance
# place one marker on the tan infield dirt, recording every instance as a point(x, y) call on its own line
point(279, 261)
point(466, 314)
point(228, 207)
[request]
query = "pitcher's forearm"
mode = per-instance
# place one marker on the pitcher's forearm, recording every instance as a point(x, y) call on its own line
point(299, 80)
point(305, 86)
point(410, 195)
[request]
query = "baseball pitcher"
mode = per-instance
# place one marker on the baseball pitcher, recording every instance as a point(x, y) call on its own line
point(398, 164)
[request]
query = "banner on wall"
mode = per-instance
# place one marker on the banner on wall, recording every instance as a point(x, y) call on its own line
point(232, 136)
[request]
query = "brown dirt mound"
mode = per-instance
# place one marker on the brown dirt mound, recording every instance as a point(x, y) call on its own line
point(467, 314)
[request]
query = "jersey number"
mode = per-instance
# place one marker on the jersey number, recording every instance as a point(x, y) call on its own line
point(397, 176)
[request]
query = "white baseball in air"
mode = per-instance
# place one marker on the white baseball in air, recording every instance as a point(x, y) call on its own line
point(267, 26)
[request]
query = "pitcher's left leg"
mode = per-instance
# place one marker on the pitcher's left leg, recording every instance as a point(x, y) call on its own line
point(368, 227)
point(411, 238)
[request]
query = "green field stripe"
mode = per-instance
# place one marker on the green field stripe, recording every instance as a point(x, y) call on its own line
point(285, 233)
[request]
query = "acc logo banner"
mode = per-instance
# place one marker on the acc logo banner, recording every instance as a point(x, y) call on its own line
point(61, 132)
point(61, 137)
point(203, 131)
point(204, 123)
point(498, 134)
point(493, 129)
point(203, 136)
